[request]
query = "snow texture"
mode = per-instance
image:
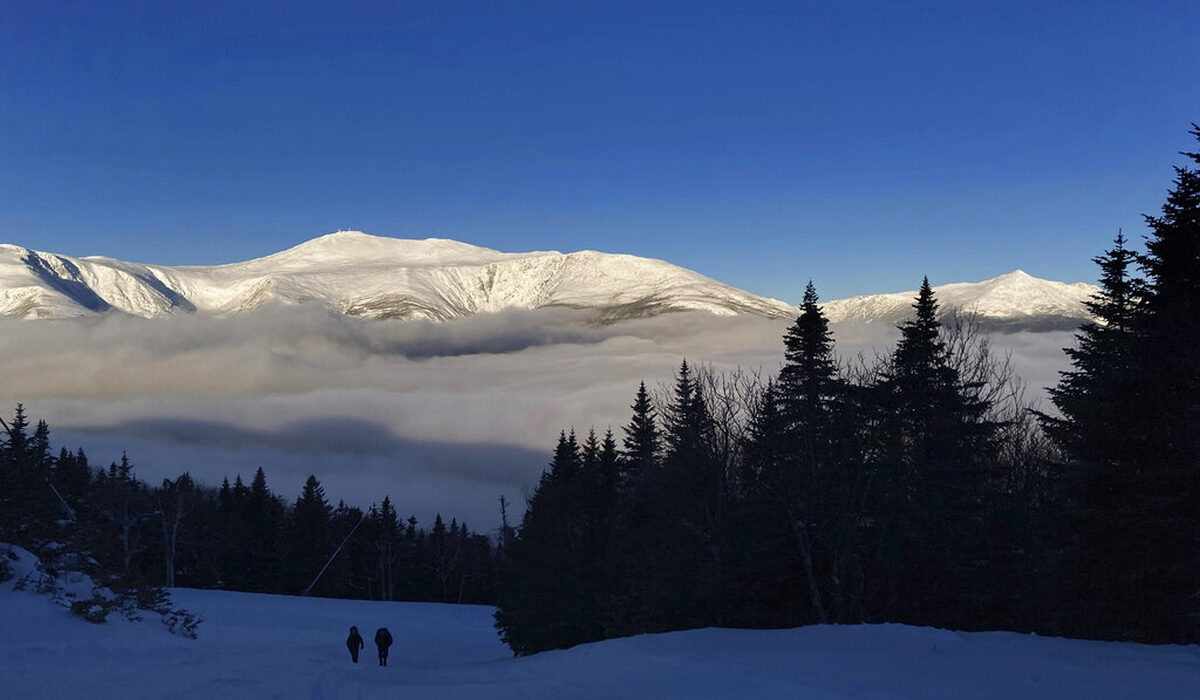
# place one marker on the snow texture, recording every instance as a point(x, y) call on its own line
point(435, 279)
point(264, 646)
point(1017, 298)
point(370, 276)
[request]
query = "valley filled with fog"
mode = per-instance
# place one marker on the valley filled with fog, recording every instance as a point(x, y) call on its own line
point(443, 417)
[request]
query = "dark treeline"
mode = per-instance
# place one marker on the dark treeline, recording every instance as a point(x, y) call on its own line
point(241, 537)
point(915, 487)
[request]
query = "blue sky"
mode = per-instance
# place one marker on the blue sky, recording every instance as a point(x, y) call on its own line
point(860, 144)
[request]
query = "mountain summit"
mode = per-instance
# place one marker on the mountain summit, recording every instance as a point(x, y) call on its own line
point(1013, 301)
point(437, 279)
point(370, 276)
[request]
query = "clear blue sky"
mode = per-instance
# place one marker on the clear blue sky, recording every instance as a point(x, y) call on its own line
point(862, 144)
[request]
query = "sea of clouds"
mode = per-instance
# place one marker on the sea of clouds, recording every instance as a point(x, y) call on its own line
point(441, 417)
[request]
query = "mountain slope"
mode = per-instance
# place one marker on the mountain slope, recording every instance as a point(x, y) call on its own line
point(436, 279)
point(370, 276)
point(1012, 301)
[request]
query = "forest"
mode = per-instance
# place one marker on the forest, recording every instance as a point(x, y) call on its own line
point(916, 486)
point(138, 538)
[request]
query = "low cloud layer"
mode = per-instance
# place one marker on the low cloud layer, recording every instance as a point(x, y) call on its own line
point(441, 417)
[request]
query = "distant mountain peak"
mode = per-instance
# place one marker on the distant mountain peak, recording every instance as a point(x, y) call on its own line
point(384, 249)
point(1013, 301)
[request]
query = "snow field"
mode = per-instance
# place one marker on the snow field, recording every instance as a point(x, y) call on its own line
point(268, 646)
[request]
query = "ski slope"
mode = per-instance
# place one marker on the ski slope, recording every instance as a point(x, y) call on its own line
point(265, 646)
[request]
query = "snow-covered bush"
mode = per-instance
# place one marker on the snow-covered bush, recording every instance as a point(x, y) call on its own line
point(71, 580)
point(94, 609)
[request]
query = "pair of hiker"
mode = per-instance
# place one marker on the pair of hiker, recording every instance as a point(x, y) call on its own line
point(383, 640)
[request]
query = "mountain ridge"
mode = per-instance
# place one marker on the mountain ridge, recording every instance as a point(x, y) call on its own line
point(1013, 301)
point(440, 279)
point(371, 276)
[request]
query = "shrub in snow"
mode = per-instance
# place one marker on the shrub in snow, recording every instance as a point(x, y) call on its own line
point(181, 622)
point(94, 609)
point(6, 571)
point(70, 581)
point(177, 620)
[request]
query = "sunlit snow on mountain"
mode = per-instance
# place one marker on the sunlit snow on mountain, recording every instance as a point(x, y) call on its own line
point(1014, 301)
point(369, 276)
point(375, 277)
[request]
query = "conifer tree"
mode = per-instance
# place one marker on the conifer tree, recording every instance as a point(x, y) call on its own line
point(1093, 399)
point(72, 475)
point(546, 600)
point(263, 521)
point(643, 441)
point(1155, 545)
point(1093, 396)
point(692, 493)
point(935, 452)
point(310, 537)
point(17, 478)
point(234, 567)
point(387, 536)
point(808, 379)
point(813, 480)
point(1130, 433)
point(765, 441)
point(607, 472)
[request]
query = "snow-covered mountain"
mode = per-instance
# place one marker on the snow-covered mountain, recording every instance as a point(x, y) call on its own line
point(369, 276)
point(1012, 301)
point(436, 279)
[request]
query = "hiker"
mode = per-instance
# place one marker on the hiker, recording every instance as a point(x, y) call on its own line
point(383, 640)
point(354, 642)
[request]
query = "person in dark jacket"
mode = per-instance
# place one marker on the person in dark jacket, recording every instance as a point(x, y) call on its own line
point(354, 642)
point(383, 640)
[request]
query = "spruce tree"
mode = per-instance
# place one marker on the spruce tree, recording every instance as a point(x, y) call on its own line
point(936, 448)
point(814, 482)
point(1092, 482)
point(808, 380)
point(387, 547)
point(547, 598)
point(263, 516)
point(235, 569)
point(1093, 396)
point(643, 440)
point(692, 496)
point(1130, 432)
point(1159, 542)
point(310, 536)
point(610, 464)
point(15, 478)
point(72, 475)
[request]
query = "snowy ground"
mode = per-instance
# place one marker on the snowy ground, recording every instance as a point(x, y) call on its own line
point(262, 646)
